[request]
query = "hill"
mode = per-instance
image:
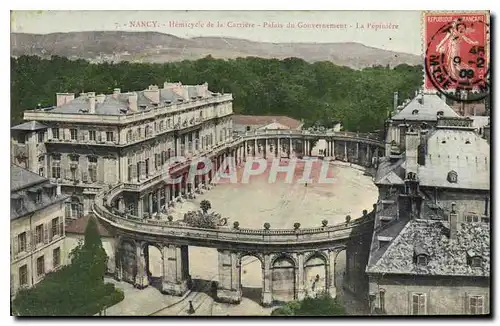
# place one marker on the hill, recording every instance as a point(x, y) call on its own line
point(154, 47)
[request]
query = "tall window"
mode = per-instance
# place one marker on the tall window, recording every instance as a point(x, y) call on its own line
point(55, 133)
point(40, 266)
point(39, 234)
point(41, 164)
point(56, 257)
point(476, 305)
point(74, 134)
point(41, 136)
point(23, 275)
point(419, 304)
point(110, 136)
point(38, 197)
point(382, 300)
point(92, 167)
point(21, 242)
point(129, 136)
point(56, 167)
point(55, 227)
point(92, 135)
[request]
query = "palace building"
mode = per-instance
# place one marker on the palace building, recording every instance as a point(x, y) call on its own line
point(93, 141)
point(430, 251)
point(36, 228)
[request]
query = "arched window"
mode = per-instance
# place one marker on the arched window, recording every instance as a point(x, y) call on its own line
point(414, 112)
point(440, 113)
point(476, 261)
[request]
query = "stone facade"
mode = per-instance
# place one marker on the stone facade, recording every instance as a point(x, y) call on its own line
point(36, 229)
point(92, 141)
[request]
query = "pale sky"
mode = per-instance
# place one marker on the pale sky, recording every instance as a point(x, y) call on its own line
point(398, 30)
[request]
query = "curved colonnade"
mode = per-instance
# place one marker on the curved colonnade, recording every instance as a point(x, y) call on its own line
point(287, 256)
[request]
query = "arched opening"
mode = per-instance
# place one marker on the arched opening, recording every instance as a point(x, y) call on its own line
point(203, 268)
point(341, 270)
point(315, 275)
point(128, 260)
point(154, 265)
point(283, 279)
point(251, 277)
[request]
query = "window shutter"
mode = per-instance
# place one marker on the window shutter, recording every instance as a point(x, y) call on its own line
point(49, 231)
point(15, 245)
point(486, 303)
point(67, 210)
point(466, 304)
point(100, 170)
point(29, 240)
point(45, 233)
point(61, 226)
point(422, 304)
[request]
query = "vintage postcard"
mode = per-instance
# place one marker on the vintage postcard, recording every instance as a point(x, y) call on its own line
point(250, 163)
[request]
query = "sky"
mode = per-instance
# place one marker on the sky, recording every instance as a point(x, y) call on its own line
point(389, 30)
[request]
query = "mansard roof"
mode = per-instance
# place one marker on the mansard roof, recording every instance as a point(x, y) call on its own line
point(21, 178)
point(424, 107)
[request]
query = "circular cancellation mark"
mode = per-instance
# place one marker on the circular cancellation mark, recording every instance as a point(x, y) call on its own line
point(455, 64)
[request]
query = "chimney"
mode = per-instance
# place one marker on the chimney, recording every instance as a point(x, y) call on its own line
point(100, 98)
point(411, 148)
point(132, 102)
point(453, 222)
point(422, 148)
point(153, 94)
point(91, 97)
point(116, 93)
point(63, 98)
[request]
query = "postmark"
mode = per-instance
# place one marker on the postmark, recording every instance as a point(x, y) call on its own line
point(457, 54)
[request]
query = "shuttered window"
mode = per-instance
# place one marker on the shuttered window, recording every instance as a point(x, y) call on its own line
point(40, 266)
point(476, 304)
point(418, 304)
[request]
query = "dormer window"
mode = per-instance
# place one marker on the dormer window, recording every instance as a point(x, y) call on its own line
point(452, 177)
point(440, 113)
point(38, 196)
point(467, 141)
point(422, 260)
point(475, 261)
point(142, 106)
point(414, 112)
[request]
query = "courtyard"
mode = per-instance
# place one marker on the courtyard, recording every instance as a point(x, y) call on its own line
point(279, 203)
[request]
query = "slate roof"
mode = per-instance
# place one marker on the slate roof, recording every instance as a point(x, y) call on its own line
point(30, 126)
point(116, 106)
point(427, 111)
point(21, 178)
point(390, 173)
point(446, 256)
point(261, 120)
point(24, 185)
point(79, 225)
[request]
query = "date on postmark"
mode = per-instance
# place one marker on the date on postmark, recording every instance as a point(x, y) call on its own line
point(456, 54)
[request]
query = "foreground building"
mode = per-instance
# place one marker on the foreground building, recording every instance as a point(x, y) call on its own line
point(430, 250)
point(92, 141)
point(36, 228)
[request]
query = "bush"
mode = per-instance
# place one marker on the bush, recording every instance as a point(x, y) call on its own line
point(323, 305)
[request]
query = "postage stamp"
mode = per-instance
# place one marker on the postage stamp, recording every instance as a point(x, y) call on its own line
point(456, 54)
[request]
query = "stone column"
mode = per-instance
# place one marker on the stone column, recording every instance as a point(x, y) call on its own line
point(278, 148)
point(368, 158)
point(266, 148)
point(357, 150)
point(345, 152)
point(290, 149)
point(118, 263)
point(175, 269)
point(121, 204)
point(150, 202)
point(158, 201)
point(267, 278)
point(229, 286)
point(330, 273)
point(255, 148)
point(140, 209)
point(333, 148)
point(141, 278)
point(300, 275)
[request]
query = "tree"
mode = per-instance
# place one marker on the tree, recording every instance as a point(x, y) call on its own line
point(322, 305)
point(205, 205)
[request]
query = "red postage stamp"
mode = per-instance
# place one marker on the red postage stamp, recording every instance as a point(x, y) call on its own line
point(457, 54)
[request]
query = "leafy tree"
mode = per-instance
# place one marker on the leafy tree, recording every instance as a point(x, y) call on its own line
point(322, 305)
point(205, 206)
